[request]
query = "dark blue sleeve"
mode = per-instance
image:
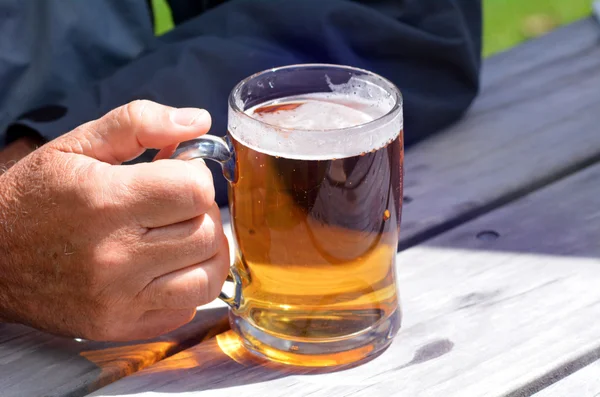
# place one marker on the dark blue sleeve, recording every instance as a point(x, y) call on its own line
point(49, 48)
point(429, 48)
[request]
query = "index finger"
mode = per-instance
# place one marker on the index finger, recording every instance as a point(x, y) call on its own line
point(165, 192)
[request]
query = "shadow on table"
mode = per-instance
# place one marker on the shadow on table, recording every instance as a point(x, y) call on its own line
point(113, 361)
point(38, 363)
point(219, 363)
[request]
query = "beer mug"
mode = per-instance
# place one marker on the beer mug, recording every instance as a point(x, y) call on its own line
point(314, 159)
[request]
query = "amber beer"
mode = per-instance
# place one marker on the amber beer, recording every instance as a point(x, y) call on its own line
point(314, 162)
point(316, 234)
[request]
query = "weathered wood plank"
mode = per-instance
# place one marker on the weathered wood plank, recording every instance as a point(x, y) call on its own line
point(483, 316)
point(535, 121)
point(34, 363)
point(583, 383)
point(536, 99)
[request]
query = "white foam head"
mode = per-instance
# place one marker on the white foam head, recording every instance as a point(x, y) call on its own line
point(354, 118)
point(310, 113)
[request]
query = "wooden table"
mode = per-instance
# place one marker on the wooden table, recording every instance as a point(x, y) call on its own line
point(499, 268)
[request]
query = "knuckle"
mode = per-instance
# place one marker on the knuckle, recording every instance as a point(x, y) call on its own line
point(224, 260)
point(97, 190)
point(107, 263)
point(203, 288)
point(133, 111)
point(216, 285)
point(213, 289)
point(199, 184)
point(222, 267)
point(208, 239)
point(193, 293)
point(151, 296)
point(129, 116)
point(186, 316)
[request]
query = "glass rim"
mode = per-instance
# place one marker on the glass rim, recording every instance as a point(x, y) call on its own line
point(392, 113)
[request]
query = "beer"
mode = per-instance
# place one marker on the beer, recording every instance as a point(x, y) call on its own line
point(314, 162)
point(316, 234)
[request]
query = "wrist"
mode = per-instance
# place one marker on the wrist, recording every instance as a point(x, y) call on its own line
point(16, 150)
point(5, 257)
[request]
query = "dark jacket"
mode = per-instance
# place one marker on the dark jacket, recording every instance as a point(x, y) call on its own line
point(104, 54)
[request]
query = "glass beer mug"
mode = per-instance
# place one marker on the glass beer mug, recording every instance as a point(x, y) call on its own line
point(314, 158)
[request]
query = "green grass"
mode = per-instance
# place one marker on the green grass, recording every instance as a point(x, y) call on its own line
point(510, 22)
point(506, 22)
point(163, 21)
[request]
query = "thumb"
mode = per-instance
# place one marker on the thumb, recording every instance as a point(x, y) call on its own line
point(126, 132)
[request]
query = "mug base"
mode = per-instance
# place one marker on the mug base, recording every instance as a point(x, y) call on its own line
point(333, 352)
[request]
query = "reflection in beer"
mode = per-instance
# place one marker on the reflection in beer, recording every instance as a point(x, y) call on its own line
point(316, 238)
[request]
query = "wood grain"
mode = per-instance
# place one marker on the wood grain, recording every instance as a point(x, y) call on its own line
point(535, 121)
point(33, 363)
point(487, 316)
point(583, 383)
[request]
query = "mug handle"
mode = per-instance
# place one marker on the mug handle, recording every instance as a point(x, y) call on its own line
point(210, 147)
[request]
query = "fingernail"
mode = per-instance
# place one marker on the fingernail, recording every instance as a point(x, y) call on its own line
point(188, 116)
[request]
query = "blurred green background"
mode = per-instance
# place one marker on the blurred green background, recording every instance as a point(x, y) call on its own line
point(509, 22)
point(506, 22)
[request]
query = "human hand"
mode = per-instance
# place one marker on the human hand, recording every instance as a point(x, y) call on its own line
point(104, 251)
